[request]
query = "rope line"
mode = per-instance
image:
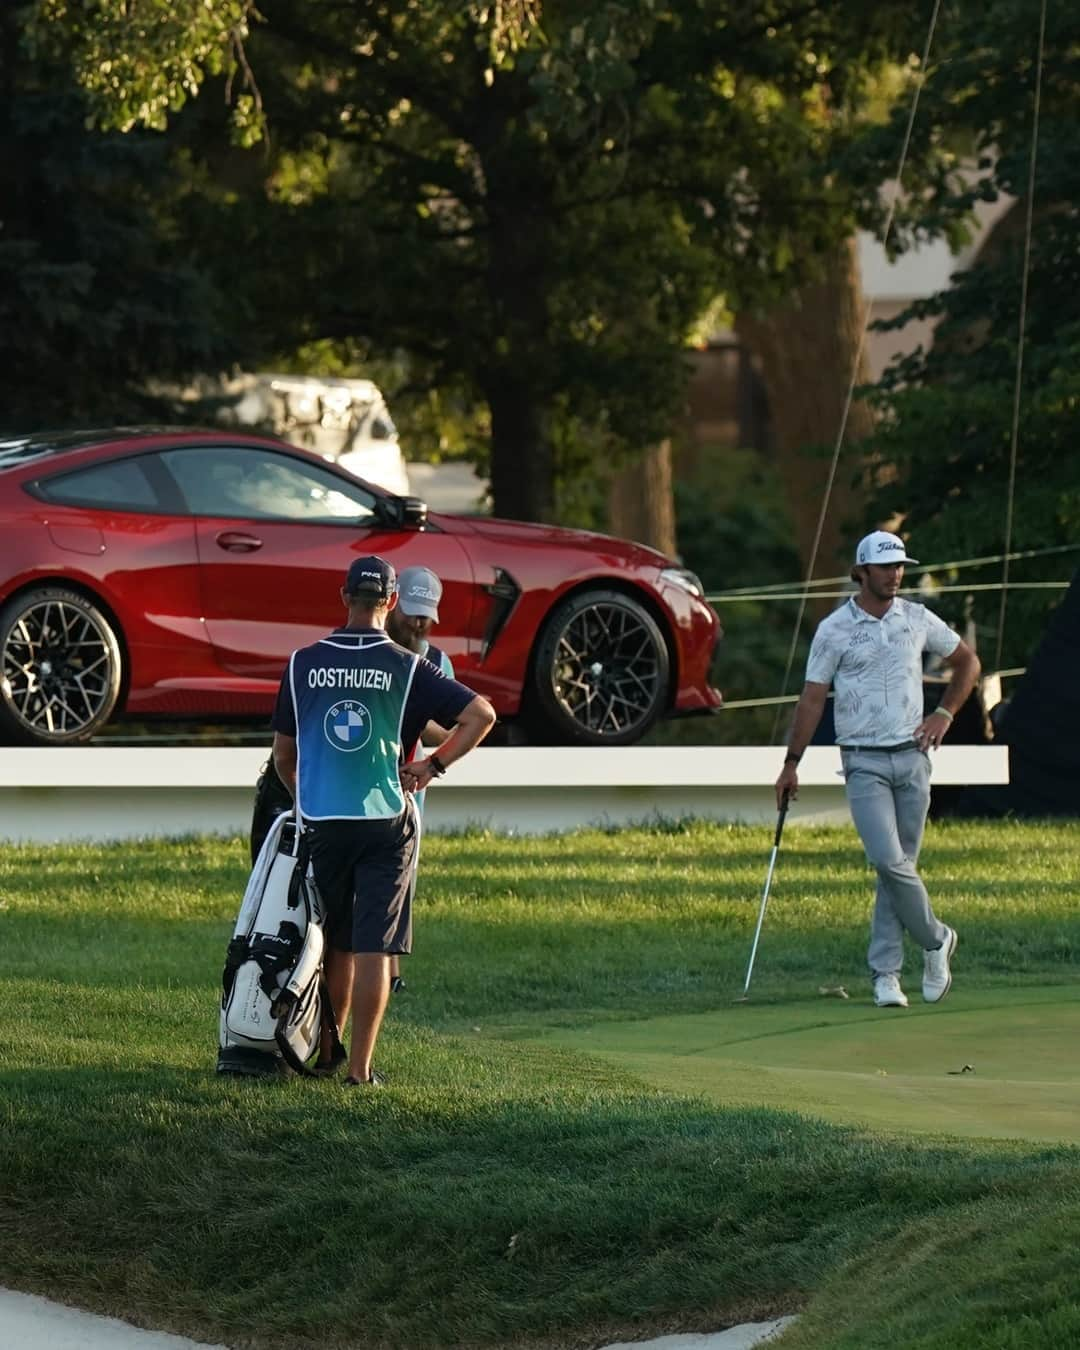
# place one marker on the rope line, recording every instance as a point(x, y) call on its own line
point(843, 595)
point(794, 698)
point(925, 567)
point(868, 303)
point(1018, 383)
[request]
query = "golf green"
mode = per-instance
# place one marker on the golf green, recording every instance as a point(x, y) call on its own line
point(1002, 1063)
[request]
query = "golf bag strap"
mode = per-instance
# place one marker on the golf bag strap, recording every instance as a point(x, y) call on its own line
point(289, 1055)
point(235, 956)
point(270, 962)
point(297, 882)
point(327, 1019)
point(274, 953)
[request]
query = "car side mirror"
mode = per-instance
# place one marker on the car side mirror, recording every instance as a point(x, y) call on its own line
point(401, 513)
point(413, 512)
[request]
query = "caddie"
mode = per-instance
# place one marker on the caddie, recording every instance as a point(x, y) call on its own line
point(348, 707)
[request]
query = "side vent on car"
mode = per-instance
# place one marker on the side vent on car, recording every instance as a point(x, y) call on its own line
point(504, 592)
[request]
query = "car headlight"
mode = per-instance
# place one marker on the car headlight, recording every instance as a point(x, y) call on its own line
point(684, 579)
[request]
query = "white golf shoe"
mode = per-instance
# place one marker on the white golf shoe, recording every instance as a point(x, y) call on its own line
point(937, 975)
point(887, 992)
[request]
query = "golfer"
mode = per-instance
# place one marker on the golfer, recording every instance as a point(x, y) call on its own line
point(347, 708)
point(870, 650)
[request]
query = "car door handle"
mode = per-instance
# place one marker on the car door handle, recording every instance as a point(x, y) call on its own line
point(232, 541)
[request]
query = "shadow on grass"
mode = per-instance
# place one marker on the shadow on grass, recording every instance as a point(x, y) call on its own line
point(517, 1195)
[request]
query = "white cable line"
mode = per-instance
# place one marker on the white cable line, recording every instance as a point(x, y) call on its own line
point(794, 698)
point(867, 305)
point(918, 595)
point(908, 571)
point(1015, 438)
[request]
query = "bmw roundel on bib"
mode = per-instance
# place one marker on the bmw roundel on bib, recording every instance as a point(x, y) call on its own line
point(347, 725)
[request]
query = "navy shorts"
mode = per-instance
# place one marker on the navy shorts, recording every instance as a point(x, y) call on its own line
point(364, 870)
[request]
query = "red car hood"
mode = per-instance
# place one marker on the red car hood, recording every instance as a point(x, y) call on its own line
point(521, 532)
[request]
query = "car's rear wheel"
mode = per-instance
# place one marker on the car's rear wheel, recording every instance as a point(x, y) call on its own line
point(601, 671)
point(60, 668)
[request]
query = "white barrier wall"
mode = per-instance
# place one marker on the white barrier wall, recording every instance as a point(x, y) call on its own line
point(90, 792)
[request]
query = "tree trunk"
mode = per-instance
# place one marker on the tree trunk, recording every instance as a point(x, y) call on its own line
point(522, 460)
point(640, 504)
point(517, 378)
point(807, 348)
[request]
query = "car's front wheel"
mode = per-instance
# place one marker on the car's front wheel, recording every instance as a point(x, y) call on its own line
point(60, 668)
point(601, 671)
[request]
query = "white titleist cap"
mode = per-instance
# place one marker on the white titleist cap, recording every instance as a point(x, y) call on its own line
point(882, 547)
point(419, 592)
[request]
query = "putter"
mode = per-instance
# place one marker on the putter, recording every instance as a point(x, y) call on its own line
point(764, 897)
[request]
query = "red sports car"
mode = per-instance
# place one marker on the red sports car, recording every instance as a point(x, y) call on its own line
point(171, 572)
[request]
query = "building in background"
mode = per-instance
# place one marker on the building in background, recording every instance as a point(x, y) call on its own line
point(728, 406)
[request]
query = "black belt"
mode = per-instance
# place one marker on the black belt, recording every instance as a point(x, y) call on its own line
point(884, 749)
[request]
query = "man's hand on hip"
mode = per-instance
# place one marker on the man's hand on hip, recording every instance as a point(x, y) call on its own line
point(932, 730)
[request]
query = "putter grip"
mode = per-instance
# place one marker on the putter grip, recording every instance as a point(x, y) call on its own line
point(784, 800)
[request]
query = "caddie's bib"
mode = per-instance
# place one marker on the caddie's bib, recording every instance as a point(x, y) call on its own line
point(349, 692)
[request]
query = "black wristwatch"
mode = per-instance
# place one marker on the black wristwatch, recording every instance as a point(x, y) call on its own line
point(790, 758)
point(438, 768)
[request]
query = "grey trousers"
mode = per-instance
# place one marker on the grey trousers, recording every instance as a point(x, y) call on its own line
point(889, 796)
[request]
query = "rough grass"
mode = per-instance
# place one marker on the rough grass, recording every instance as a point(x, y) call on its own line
point(502, 1192)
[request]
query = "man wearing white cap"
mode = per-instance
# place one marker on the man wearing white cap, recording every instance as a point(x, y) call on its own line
point(419, 593)
point(409, 625)
point(870, 650)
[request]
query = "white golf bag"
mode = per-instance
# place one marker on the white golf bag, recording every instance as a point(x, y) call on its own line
point(274, 996)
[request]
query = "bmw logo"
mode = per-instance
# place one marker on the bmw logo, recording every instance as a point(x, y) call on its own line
point(347, 726)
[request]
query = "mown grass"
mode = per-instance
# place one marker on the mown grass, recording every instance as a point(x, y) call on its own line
point(501, 1192)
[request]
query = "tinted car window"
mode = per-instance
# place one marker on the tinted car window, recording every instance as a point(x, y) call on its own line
point(260, 485)
point(121, 484)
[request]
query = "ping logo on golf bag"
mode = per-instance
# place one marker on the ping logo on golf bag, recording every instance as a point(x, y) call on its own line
point(347, 726)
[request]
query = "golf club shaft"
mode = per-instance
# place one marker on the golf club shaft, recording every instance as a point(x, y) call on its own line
point(760, 919)
point(765, 892)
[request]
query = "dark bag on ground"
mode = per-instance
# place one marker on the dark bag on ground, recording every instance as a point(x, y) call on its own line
point(274, 997)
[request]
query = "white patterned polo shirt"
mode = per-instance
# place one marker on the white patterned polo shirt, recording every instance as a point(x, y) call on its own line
point(875, 667)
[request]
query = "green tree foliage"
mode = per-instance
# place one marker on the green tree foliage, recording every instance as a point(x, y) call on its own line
point(536, 215)
point(141, 60)
point(948, 411)
point(735, 532)
point(96, 291)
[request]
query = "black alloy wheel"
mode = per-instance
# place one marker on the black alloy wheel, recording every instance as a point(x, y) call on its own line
point(601, 672)
point(60, 668)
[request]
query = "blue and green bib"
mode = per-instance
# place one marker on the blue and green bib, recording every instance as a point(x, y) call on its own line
point(349, 694)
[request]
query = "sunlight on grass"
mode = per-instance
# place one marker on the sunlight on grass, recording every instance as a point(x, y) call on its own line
point(537, 1194)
